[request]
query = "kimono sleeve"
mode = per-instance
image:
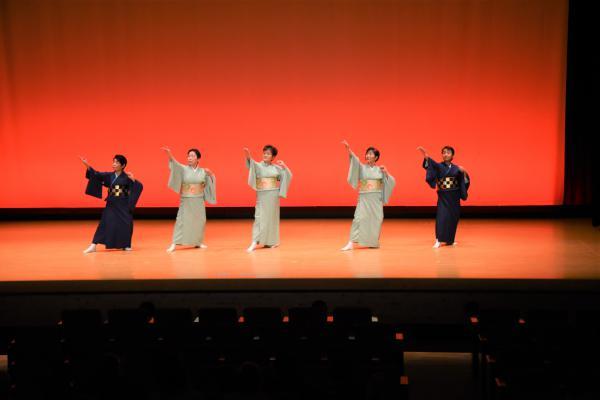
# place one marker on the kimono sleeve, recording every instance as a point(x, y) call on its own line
point(176, 176)
point(251, 165)
point(465, 182)
point(432, 172)
point(210, 190)
point(388, 186)
point(285, 177)
point(354, 171)
point(135, 191)
point(95, 182)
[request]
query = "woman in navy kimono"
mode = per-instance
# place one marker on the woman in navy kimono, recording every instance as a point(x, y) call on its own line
point(116, 225)
point(452, 182)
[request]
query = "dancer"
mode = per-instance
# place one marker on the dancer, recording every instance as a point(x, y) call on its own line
point(271, 181)
point(375, 185)
point(452, 183)
point(195, 185)
point(116, 225)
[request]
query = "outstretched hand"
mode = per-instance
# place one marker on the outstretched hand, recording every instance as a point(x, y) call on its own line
point(345, 143)
point(166, 149)
point(84, 161)
point(383, 169)
point(423, 151)
point(247, 153)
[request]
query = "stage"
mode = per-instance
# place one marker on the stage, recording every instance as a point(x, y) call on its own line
point(383, 74)
point(492, 254)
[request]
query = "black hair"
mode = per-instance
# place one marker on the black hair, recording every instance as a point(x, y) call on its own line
point(448, 148)
point(198, 155)
point(375, 151)
point(271, 148)
point(121, 159)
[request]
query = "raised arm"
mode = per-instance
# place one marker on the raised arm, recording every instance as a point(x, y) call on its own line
point(385, 171)
point(247, 154)
point(90, 172)
point(168, 151)
point(130, 175)
point(354, 168)
point(428, 160)
point(389, 182)
point(95, 179)
point(85, 162)
point(252, 167)
point(423, 151)
point(284, 177)
point(283, 165)
point(350, 152)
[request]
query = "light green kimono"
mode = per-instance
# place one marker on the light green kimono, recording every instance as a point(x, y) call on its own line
point(191, 216)
point(265, 229)
point(368, 217)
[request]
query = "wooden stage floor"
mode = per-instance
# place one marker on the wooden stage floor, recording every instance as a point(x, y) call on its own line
point(47, 254)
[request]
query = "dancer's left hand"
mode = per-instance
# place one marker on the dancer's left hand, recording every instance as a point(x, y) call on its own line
point(130, 175)
point(281, 164)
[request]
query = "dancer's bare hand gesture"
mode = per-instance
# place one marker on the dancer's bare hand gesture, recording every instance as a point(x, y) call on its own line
point(167, 150)
point(281, 164)
point(130, 175)
point(84, 161)
point(345, 143)
point(423, 151)
point(247, 153)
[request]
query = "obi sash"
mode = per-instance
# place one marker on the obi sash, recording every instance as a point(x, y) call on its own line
point(370, 185)
point(192, 188)
point(447, 183)
point(118, 191)
point(267, 183)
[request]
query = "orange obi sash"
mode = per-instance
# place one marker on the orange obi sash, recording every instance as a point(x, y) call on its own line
point(192, 188)
point(267, 183)
point(370, 185)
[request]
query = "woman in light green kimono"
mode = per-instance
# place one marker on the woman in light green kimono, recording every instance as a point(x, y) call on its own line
point(194, 185)
point(271, 181)
point(375, 185)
